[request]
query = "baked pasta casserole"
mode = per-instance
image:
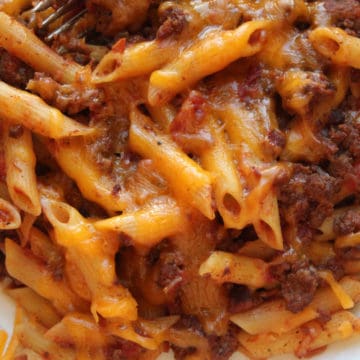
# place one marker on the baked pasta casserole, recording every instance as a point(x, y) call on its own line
point(179, 176)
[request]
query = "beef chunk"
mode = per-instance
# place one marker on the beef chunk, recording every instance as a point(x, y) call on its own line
point(13, 71)
point(341, 166)
point(347, 136)
point(171, 270)
point(304, 232)
point(241, 299)
point(123, 350)
point(222, 347)
point(345, 14)
point(182, 353)
point(347, 223)
point(67, 98)
point(307, 196)
point(299, 288)
point(344, 133)
point(336, 117)
point(298, 282)
point(173, 21)
point(236, 239)
point(336, 267)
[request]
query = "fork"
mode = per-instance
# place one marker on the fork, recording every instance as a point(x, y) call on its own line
point(70, 10)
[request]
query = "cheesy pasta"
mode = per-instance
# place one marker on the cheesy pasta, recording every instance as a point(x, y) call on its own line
point(179, 176)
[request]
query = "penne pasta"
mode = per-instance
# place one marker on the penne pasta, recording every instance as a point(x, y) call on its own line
point(127, 332)
point(133, 61)
point(95, 258)
point(76, 279)
point(75, 162)
point(25, 228)
point(34, 274)
point(33, 336)
point(348, 240)
point(20, 169)
point(10, 217)
point(163, 115)
point(184, 175)
point(149, 225)
point(301, 143)
point(211, 54)
point(78, 329)
point(345, 300)
point(23, 43)
point(256, 247)
point(35, 306)
point(34, 114)
point(268, 226)
point(238, 269)
point(43, 248)
point(262, 319)
point(338, 46)
point(303, 341)
point(228, 189)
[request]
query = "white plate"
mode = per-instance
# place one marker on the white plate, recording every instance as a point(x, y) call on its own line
point(345, 350)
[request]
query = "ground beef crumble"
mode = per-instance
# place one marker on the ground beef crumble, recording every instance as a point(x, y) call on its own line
point(347, 223)
point(345, 14)
point(242, 299)
point(222, 347)
point(298, 283)
point(13, 71)
point(173, 21)
point(124, 350)
point(306, 198)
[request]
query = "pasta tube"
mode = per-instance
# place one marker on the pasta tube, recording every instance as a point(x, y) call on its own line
point(94, 255)
point(9, 216)
point(228, 190)
point(138, 59)
point(149, 225)
point(239, 269)
point(35, 274)
point(36, 115)
point(95, 186)
point(208, 55)
point(23, 43)
point(334, 43)
point(185, 176)
point(262, 319)
point(303, 341)
point(20, 169)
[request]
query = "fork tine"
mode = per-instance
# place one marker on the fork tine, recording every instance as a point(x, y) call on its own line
point(42, 5)
point(65, 26)
point(59, 12)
